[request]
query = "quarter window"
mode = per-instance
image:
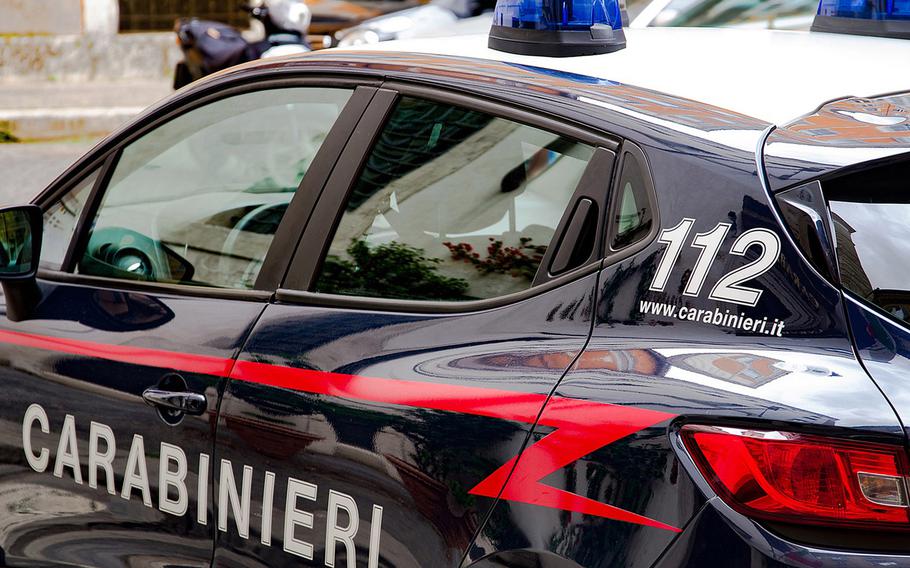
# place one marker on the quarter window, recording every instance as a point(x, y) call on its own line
point(198, 200)
point(60, 222)
point(452, 204)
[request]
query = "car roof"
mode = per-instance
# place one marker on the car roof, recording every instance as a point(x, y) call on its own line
point(775, 76)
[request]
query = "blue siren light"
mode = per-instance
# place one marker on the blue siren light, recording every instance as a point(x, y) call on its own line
point(557, 28)
point(882, 18)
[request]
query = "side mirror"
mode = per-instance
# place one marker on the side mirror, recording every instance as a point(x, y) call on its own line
point(20, 242)
point(20, 248)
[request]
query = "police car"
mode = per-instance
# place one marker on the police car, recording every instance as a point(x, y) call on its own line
point(465, 303)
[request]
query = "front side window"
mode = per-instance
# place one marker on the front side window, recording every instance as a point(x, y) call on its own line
point(198, 200)
point(871, 215)
point(452, 204)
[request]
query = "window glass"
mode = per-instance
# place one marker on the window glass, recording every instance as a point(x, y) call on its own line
point(198, 200)
point(60, 222)
point(632, 206)
point(871, 215)
point(452, 204)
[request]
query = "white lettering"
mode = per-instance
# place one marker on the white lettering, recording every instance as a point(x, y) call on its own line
point(202, 490)
point(227, 495)
point(268, 498)
point(174, 485)
point(294, 517)
point(375, 533)
point(96, 459)
point(335, 533)
point(175, 479)
point(32, 413)
point(68, 450)
point(136, 474)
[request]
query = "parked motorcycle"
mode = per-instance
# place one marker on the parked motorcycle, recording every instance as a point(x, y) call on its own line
point(212, 46)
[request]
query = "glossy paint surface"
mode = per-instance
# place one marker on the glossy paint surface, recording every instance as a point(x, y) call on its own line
point(415, 430)
point(696, 372)
point(884, 347)
point(839, 134)
point(89, 353)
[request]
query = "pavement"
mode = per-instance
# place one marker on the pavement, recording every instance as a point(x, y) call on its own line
point(57, 122)
point(26, 169)
point(33, 111)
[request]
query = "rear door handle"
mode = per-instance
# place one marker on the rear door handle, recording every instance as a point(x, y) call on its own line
point(191, 403)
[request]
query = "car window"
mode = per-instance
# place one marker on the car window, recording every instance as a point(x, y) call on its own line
point(871, 215)
point(632, 205)
point(60, 222)
point(452, 204)
point(198, 200)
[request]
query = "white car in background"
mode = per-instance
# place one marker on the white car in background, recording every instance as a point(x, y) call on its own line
point(771, 14)
point(435, 19)
point(444, 18)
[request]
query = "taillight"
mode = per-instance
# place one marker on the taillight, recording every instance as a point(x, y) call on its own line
point(798, 478)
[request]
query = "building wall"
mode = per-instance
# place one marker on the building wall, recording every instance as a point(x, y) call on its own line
point(55, 17)
point(107, 17)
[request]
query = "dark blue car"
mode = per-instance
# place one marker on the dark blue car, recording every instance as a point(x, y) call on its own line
point(473, 309)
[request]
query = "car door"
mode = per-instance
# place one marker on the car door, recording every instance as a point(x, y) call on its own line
point(157, 261)
point(442, 287)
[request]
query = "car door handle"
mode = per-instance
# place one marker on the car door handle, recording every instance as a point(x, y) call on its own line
point(188, 402)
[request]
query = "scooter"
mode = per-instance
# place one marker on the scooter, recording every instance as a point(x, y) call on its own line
point(212, 46)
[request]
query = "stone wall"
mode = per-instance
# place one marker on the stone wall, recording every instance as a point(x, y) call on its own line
point(40, 17)
point(58, 17)
point(87, 57)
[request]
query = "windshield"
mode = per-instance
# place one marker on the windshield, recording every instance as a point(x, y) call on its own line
point(871, 215)
point(775, 14)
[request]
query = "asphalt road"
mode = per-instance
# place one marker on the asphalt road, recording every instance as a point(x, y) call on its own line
point(26, 169)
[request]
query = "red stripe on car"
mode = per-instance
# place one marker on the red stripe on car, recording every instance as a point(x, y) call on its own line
point(581, 426)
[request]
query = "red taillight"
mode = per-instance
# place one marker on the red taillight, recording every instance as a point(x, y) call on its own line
point(797, 478)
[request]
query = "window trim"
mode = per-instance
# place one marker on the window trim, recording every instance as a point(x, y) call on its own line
point(313, 246)
point(276, 261)
point(289, 296)
point(101, 282)
point(95, 168)
point(79, 241)
point(308, 258)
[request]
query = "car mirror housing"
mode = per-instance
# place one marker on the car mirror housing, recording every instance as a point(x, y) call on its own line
point(20, 248)
point(20, 242)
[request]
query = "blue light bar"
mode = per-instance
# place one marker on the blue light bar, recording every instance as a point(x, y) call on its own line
point(557, 28)
point(882, 18)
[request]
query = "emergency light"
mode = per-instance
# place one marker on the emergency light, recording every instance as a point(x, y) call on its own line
point(557, 28)
point(882, 18)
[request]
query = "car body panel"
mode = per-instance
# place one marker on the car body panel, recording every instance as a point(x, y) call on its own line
point(839, 134)
point(599, 104)
point(85, 356)
point(694, 372)
point(415, 415)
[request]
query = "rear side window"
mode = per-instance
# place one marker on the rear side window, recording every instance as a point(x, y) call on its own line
point(871, 216)
point(452, 204)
